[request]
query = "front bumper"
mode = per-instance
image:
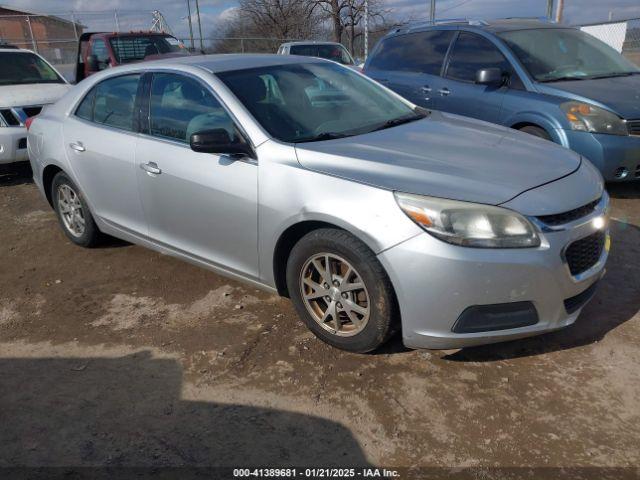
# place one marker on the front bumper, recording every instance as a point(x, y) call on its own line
point(436, 282)
point(610, 153)
point(13, 144)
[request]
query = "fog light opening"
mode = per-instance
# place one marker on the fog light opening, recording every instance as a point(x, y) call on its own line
point(621, 172)
point(599, 223)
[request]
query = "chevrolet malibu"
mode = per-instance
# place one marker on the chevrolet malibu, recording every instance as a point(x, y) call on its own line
point(310, 180)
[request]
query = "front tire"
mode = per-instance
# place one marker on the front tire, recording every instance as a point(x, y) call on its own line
point(341, 291)
point(536, 132)
point(73, 213)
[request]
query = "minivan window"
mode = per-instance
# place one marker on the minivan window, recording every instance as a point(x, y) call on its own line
point(316, 101)
point(421, 52)
point(19, 68)
point(553, 54)
point(337, 53)
point(471, 53)
point(113, 102)
point(181, 106)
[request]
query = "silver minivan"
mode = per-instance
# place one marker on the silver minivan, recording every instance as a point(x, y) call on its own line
point(309, 179)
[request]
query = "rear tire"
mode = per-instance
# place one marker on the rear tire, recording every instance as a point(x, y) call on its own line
point(536, 132)
point(349, 305)
point(73, 213)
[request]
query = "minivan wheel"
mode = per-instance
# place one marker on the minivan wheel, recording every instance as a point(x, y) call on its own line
point(341, 291)
point(73, 214)
point(536, 132)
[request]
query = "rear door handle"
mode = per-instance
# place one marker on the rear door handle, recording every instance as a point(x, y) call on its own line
point(444, 92)
point(151, 167)
point(77, 146)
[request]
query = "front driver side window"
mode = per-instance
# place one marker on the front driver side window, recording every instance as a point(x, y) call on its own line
point(181, 106)
point(472, 53)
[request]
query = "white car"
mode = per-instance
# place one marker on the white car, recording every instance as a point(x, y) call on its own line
point(27, 83)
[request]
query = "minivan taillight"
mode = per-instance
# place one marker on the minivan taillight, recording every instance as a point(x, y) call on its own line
point(28, 122)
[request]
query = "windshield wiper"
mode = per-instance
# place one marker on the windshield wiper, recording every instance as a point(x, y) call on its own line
point(615, 74)
point(564, 79)
point(418, 115)
point(323, 136)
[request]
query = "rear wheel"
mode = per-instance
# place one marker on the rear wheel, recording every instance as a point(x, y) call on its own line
point(341, 291)
point(536, 132)
point(73, 213)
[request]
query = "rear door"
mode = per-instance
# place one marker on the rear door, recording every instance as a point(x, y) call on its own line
point(459, 93)
point(411, 65)
point(200, 203)
point(100, 140)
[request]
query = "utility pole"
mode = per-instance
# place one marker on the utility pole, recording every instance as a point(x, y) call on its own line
point(199, 25)
point(432, 13)
point(366, 29)
point(190, 26)
point(560, 11)
point(550, 9)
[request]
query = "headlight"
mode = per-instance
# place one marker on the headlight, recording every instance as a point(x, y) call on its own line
point(469, 224)
point(588, 118)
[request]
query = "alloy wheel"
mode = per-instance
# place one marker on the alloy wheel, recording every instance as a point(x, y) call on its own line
point(71, 210)
point(334, 294)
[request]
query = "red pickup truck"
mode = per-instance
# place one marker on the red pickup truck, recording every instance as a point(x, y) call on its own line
point(97, 51)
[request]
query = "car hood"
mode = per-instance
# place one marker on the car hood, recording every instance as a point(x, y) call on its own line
point(620, 94)
point(32, 94)
point(445, 156)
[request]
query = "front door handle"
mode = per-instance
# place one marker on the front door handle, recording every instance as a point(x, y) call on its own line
point(426, 89)
point(445, 92)
point(151, 168)
point(77, 146)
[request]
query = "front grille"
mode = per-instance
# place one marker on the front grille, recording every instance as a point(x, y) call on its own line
point(32, 111)
point(634, 127)
point(570, 216)
point(573, 304)
point(583, 254)
point(9, 118)
point(15, 117)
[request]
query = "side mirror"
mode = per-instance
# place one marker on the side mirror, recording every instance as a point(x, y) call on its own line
point(219, 141)
point(92, 63)
point(490, 76)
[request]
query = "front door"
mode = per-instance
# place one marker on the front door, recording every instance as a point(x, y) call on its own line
point(100, 142)
point(459, 93)
point(202, 204)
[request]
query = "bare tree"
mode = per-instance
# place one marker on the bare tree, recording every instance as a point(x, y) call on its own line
point(280, 18)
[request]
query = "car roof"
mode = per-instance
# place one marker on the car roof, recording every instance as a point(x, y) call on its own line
point(495, 26)
point(226, 62)
point(15, 50)
point(309, 42)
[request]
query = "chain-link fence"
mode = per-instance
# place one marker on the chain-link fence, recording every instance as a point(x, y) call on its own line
point(624, 36)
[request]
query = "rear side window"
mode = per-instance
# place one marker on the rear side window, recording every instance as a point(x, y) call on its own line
point(111, 102)
point(421, 52)
point(471, 53)
point(181, 106)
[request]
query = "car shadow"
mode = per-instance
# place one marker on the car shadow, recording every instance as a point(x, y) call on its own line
point(625, 190)
point(88, 414)
point(18, 173)
point(616, 301)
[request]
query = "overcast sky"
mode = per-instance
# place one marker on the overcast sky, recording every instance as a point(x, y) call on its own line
point(576, 11)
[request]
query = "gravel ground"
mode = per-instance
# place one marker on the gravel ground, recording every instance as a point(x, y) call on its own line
point(120, 356)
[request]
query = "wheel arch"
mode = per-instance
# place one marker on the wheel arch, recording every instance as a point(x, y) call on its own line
point(48, 174)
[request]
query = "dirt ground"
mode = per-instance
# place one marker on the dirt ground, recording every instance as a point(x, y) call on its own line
point(120, 356)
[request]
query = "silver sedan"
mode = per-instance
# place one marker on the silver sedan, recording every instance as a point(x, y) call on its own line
point(308, 179)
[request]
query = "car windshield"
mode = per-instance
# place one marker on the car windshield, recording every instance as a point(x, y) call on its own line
point(133, 48)
point(554, 54)
point(20, 68)
point(330, 51)
point(316, 101)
